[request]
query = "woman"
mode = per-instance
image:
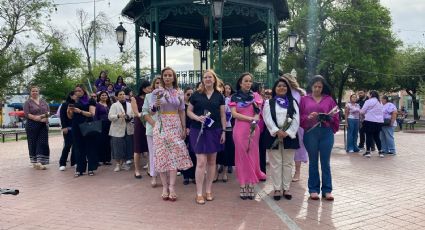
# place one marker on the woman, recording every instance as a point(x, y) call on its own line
point(245, 106)
point(372, 111)
point(151, 120)
point(387, 130)
point(352, 116)
point(207, 132)
point(168, 135)
point(36, 111)
point(188, 174)
point(119, 84)
point(281, 116)
point(104, 141)
point(319, 118)
point(100, 81)
point(139, 137)
point(83, 110)
point(66, 125)
point(122, 130)
point(226, 158)
point(301, 155)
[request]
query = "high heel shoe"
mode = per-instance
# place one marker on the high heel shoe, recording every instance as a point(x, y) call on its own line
point(251, 194)
point(242, 193)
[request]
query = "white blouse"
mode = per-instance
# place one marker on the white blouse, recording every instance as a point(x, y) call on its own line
point(280, 118)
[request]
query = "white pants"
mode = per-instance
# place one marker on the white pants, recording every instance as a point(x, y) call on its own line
point(281, 165)
point(151, 154)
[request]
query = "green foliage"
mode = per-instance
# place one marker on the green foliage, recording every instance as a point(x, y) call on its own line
point(59, 74)
point(355, 44)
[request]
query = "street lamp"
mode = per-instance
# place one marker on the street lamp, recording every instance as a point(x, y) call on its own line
point(217, 8)
point(292, 41)
point(121, 33)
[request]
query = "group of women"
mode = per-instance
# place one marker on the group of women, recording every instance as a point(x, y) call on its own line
point(377, 117)
point(192, 130)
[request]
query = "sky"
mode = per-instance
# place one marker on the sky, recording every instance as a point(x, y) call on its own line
point(408, 25)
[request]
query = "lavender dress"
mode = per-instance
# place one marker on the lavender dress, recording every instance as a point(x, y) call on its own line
point(301, 153)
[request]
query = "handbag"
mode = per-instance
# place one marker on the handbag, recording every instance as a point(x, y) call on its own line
point(387, 122)
point(91, 128)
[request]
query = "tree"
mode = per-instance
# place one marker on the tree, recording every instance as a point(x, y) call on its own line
point(88, 31)
point(20, 20)
point(60, 72)
point(409, 66)
point(355, 45)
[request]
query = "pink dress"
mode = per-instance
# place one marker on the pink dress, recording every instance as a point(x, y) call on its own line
point(301, 153)
point(247, 163)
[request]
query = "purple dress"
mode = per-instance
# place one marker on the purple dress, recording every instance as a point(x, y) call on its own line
point(301, 153)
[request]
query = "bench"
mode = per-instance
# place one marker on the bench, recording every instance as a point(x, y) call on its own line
point(5, 133)
point(410, 124)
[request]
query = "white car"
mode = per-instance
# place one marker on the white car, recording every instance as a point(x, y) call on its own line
point(54, 121)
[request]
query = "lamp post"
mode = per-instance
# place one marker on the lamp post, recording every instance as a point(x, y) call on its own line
point(121, 33)
point(217, 14)
point(292, 41)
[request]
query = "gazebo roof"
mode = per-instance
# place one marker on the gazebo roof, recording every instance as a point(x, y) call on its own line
point(187, 18)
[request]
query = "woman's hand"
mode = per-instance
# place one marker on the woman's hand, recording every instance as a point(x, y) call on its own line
point(183, 134)
point(121, 115)
point(223, 138)
point(77, 110)
point(281, 134)
point(201, 118)
point(187, 131)
point(313, 115)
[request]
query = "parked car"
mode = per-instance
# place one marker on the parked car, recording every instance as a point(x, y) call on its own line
point(54, 121)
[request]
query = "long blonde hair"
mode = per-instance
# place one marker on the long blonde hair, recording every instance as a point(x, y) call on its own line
point(293, 83)
point(156, 78)
point(217, 81)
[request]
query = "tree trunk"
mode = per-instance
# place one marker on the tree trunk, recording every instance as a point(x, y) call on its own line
point(415, 102)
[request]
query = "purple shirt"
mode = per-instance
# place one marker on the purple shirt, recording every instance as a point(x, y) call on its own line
point(101, 112)
point(353, 110)
point(309, 105)
point(119, 86)
point(172, 99)
point(98, 83)
point(373, 110)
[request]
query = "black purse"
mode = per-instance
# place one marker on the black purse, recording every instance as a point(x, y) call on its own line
point(89, 128)
point(387, 122)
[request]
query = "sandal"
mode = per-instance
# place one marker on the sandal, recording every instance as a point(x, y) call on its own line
point(242, 193)
point(251, 194)
point(276, 195)
point(172, 197)
point(200, 199)
point(164, 196)
point(209, 196)
point(287, 195)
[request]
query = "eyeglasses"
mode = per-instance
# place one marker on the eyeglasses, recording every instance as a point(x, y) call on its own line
point(188, 94)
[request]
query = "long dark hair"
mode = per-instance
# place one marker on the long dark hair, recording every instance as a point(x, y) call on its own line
point(85, 98)
point(374, 93)
point(68, 99)
point(238, 83)
point(291, 109)
point(100, 74)
point(318, 78)
point(122, 79)
point(108, 101)
point(143, 85)
point(231, 89)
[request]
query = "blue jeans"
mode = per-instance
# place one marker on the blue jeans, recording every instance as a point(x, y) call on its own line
point(352, 134)
point(387, 139)
point(319, 142)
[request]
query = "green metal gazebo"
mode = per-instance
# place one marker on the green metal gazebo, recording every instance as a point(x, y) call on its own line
point(208, 25)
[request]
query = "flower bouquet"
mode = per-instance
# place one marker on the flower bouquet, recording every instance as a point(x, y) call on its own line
point(285, 127)
point(252, 128)
point(206, 122)
point(159, 94)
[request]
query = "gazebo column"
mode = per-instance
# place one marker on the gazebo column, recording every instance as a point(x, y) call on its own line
point(162, 44)
point(151, 41)
point(269, 47)
point(211, 27)
point(137, 54)
point(220, 47)
point(276, 49)
point(246, 53)
point(157, 42)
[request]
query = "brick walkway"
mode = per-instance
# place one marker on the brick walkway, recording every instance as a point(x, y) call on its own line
point(369, 194)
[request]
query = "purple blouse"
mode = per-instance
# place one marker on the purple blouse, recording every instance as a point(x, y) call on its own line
point(99, 83)
point(373, 110)
point(118, 87)
point(309, 105)
point(171, 99)
point(101, 112)
point(30, 107)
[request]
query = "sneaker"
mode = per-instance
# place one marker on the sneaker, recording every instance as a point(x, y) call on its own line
point(381, 155)
point(390, 153)
point(62, 168)
point(381, 151)
point(117, 168)
point(126, 167)
point(366, 154)
point(179, 173)
point(146, 166)
point(350, 151)
point(129, 162)
point(361, 148)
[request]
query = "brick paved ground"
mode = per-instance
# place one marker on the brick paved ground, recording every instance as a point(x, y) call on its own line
point(369, 194)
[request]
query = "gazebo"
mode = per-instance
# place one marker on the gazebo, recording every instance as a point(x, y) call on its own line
point(208, 25)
